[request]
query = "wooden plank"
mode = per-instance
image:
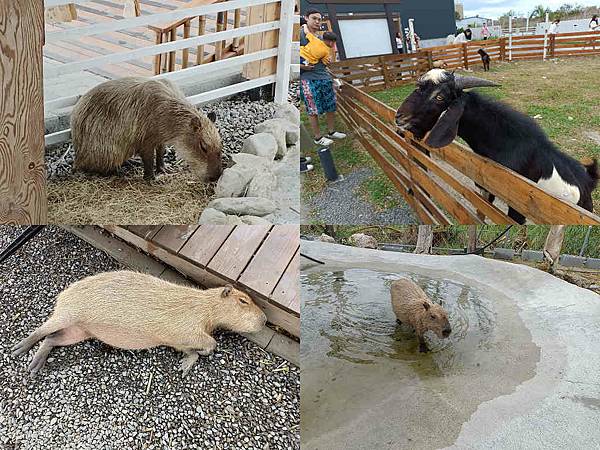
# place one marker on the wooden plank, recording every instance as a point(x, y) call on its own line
point(271, 259)
point(146, 232)
point(22, 169)
point(237, 251)
point(373, 104)
point(202, 246)
point(287, 291)
point(174, 237)
point(254, 42)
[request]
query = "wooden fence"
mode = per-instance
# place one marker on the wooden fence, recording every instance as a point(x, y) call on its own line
point(373, 73)
point(439, 183)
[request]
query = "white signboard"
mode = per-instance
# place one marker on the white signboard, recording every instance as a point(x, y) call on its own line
point(365, 37)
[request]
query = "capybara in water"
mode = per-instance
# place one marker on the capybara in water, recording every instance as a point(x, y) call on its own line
point(412, 306)
point(139, 116)
point(131, 310)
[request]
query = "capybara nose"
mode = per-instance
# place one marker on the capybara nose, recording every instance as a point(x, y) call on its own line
point(446, 332)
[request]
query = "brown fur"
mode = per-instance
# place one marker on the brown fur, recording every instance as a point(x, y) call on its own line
point(440, 64)
point(412, 306)
point(130, 310)
point(138, 116)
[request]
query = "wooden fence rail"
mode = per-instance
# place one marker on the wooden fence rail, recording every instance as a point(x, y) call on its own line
point(439, 184)
point(373, 73)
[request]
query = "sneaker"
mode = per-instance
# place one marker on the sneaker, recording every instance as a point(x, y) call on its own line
point(336, 135)
point(323, 141)
point(306, 168)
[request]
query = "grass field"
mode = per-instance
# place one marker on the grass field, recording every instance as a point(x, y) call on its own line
point(564, 92)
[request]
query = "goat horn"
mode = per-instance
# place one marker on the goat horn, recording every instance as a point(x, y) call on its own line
point(471, 82)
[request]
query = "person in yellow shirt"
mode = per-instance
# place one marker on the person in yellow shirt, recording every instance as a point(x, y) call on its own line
point(317, 50)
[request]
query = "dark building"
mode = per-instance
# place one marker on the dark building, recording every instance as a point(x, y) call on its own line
point(433, 18)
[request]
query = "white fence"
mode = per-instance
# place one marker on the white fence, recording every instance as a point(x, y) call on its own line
point(283, 52)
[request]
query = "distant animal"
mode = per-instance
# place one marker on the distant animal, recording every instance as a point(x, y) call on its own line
point(440, 64)
point(131, 310)
point(485, 59)
point(441, 109)
point(412, 307)
point(140, 116)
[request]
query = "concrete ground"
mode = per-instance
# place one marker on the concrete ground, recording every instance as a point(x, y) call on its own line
point(92, 396)
point(553, 402)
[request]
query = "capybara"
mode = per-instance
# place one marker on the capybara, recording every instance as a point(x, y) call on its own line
point(485, 59)
point(412, 306)
point(139, 116)
point(131, 310)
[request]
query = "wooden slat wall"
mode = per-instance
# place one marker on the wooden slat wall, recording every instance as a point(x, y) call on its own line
point(22, 171)
point(434, 186)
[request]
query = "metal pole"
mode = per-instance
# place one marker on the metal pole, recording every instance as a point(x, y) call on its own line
point(545, 37)
point(411, 35)
point(510, 37)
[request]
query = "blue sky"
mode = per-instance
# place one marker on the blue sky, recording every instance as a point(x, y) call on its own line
point(494, 8)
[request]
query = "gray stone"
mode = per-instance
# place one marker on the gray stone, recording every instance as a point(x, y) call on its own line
point(247, 159)
point(326, 238)
point(289, 112)
point(234, 180)
point(261, 144)
point(504, 253)
point(363, 240)
point(263, 184)
point(252, 206)
point(275, 128)
point(211, 215)
point(233, 220)
point(254, 220)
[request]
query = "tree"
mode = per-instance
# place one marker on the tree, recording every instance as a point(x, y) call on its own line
point(424, 239)
point(539, 12)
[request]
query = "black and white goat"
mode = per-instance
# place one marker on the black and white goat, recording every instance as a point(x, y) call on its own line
point(440, 106)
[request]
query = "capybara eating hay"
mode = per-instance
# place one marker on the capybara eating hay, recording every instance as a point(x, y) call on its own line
point(131, 310)
point(412, 306)
point(138, 116)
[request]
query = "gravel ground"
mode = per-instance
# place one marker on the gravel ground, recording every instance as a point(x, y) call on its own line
point(92, 396)
point(342, 203)
point(236, 119)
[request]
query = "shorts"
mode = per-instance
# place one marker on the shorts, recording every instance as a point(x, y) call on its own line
point(318, 96)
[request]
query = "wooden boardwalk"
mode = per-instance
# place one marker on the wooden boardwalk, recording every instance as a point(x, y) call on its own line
point(261, 260)
point(99, 11)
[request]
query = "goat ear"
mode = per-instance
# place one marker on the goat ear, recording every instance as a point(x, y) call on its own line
point(426, 306)
point(445, 129)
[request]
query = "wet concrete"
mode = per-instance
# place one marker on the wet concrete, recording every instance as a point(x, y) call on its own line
point(521, 369)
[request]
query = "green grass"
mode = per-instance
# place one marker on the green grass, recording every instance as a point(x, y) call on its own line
point(563, 92)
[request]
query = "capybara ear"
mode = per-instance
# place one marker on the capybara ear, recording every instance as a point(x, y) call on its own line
point(226, 290)
point(426, 306)
point(212, 116)
point(195, 124)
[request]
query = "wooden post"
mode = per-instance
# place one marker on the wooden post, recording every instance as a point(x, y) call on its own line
point(186, 51)
point(221, 18)
point(172, 55)
point(385, 72)
point(424, 239)
point(552, 45)
point(502, 49)
point(22, 170)
point(157, 58)
point(201, 30)
point(237, 20)
point(430, 59)
point(284, 51)
point(472, 238)
point(465, 55)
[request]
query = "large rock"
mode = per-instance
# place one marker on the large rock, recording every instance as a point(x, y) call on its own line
point(326, 238)
point(254, 220)
point(233, 220)
point(246, 159)
point(234, 180)
point(292, 132)
point(261, 144)
point(289, 112)
point(263, 184)
point(212, 216)
point(363, 240)
point(244, 206)
point(276, 129)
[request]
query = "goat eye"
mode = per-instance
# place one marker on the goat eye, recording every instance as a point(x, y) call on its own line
point(244, 302)
point(439, 98)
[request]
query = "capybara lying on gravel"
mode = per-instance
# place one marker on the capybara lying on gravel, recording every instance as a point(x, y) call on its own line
point(130, 310)
point(412, 306)
point(139, 116)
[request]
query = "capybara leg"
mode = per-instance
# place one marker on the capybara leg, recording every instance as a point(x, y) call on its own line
point(191, 356)
point(206, 346)
point(422, 345)
point(50, 326)
point(160, 159)
point(66, 336)
point(148, 160)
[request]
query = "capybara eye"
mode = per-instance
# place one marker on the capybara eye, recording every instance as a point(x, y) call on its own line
point(243, 301)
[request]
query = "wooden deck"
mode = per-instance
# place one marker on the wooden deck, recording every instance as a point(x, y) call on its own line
point(261, 260)
point(98, 11)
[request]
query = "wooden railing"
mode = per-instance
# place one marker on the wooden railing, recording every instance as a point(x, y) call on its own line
point(373, 73)
point(438, 184)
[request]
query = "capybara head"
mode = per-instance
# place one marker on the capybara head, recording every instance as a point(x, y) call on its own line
point(205, 144)
point(239, 313)
point(435, 318)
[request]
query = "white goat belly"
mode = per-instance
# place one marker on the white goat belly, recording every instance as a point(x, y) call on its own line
point(560, 187)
